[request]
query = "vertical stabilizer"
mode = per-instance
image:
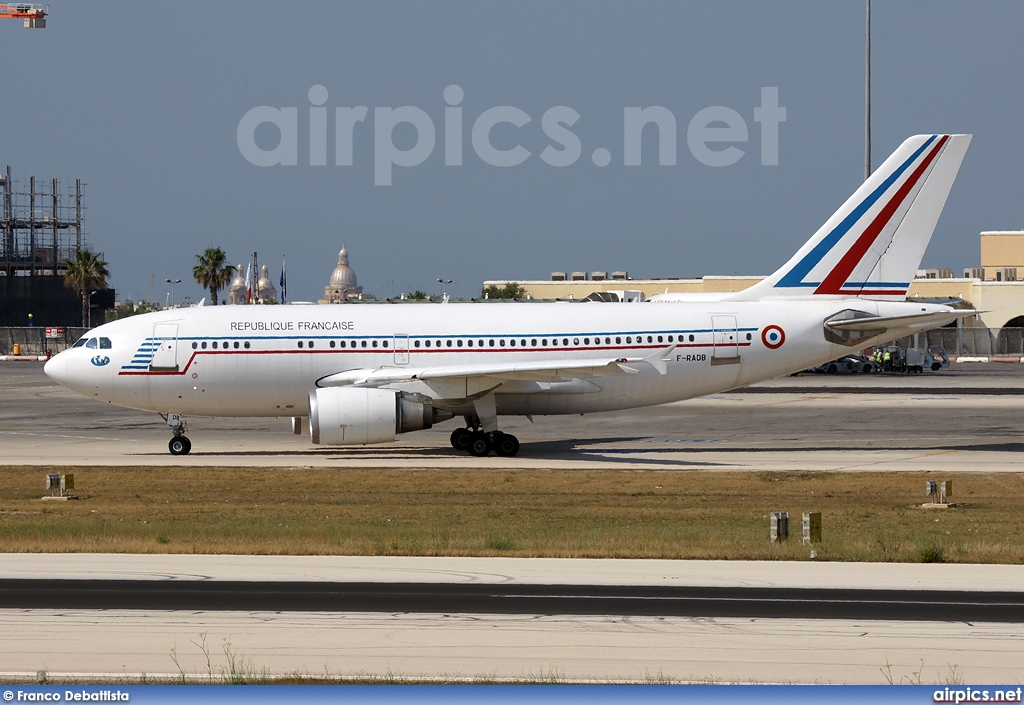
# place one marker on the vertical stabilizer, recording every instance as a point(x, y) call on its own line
point(872, 246)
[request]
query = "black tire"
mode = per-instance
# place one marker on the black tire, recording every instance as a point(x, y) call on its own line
point(460, 438)
point(831, 369)
point(506, 445)
point(479, 445)
point(936, 366)
point(179, 445)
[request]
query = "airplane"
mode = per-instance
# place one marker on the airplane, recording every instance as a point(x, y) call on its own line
point(362, 374)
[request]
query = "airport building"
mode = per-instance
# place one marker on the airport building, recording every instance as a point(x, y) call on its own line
point(993, 288)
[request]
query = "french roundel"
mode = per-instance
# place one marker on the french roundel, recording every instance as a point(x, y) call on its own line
point(773, 337)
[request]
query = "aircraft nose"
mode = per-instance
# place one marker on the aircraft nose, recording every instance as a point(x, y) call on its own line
point(56, 368)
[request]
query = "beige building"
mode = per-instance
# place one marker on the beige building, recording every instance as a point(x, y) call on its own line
point(992, 288)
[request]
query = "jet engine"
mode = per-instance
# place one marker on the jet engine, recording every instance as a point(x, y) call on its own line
point(357, 416)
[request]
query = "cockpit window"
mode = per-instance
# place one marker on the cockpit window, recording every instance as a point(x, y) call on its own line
point(105, 344)
point(80, 343)
point(93, 343)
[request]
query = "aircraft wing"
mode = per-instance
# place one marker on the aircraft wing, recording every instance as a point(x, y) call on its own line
point(880, 324)
point(540, 371)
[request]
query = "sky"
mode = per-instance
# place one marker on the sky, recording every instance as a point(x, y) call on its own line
point(162, 110)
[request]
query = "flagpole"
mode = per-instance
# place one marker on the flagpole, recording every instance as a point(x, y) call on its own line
point(283, 282)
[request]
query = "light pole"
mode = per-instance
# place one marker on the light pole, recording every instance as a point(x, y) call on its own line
point(444, 288)
point(172, 282)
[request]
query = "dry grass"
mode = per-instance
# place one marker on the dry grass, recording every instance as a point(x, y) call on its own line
point(866, 517)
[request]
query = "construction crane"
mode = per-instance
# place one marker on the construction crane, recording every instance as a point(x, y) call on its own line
point(34, 15)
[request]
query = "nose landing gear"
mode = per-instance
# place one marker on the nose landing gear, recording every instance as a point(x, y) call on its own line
point(180, 444)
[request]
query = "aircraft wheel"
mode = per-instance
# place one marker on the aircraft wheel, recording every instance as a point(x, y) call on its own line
point(460, 438)
point(479, 445)
point(936, 366)
point(179, 445)
point(506, 445)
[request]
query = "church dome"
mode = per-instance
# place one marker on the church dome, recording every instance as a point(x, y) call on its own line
point(237, 290)
point(266, 287)
point(343, 276)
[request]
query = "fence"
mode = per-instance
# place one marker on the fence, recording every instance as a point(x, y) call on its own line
point(33, 340)
point(969, 342)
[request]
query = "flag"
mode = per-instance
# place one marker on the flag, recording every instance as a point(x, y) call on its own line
point(283, 283)
point(248, 284)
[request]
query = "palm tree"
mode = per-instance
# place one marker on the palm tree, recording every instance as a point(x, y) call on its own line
point(213, 271)
point(86, 273)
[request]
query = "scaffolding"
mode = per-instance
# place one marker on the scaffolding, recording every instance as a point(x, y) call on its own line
point(40, 230)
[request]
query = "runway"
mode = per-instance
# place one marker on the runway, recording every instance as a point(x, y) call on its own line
point(963, 419)
point(417, 639)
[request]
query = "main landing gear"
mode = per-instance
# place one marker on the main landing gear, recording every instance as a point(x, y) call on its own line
point(180, 444)
point(476, 442)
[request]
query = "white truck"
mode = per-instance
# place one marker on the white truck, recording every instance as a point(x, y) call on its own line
point(934, 358)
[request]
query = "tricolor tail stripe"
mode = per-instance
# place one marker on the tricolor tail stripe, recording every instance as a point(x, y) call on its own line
point(835, 282)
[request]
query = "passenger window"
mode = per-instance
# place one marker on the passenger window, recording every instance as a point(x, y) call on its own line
point(236, 345)
point(247, 345)
point(195, 345)
point(650, 339)
point(512, 343)
point(670, 339)
point(618, 340)
point(341, 343)
point(460, 343)
point(364, 344)
point(449, 343)
point(544, 342)
point(385, 343)
point(375, 343)
point(575, 341)
point(80, 343)
point(607, 341)
point(629, 340)
point(492, 342)
point(203, 346)
point(586, 341)
point(565, 342)
point(533, 343)
point(215, 345)
point(480, 343)
point(523, 342)
point(469, 343)
point(416, 343)
point(300, 344)
point(502, 343)
point(427, 343)
point(105, 343)
point(93, 343)
point(691, 337)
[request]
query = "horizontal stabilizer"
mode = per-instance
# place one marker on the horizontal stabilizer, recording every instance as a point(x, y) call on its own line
point(916, 321)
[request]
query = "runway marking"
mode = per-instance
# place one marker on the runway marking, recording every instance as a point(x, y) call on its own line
point(60, 435)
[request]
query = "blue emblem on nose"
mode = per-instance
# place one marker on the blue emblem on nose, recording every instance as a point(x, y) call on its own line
point(100, 360)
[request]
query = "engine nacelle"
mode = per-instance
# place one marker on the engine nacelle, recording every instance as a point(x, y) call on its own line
point(341, 416)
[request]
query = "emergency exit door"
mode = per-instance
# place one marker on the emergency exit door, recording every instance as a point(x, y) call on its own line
point(401, 350)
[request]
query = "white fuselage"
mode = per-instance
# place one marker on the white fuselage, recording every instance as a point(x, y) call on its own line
point(264, 360)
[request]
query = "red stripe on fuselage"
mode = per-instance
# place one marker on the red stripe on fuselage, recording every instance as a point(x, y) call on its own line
point(833, 283)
